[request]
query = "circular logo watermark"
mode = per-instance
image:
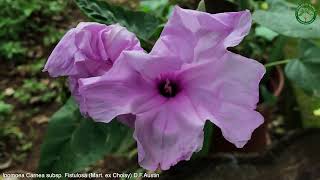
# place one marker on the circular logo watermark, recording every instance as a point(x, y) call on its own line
point(306, 13)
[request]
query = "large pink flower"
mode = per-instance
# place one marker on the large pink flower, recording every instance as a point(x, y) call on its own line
point(188, 78)
point(89, 50)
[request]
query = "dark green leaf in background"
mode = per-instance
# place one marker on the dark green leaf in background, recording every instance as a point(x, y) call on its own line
point(268, 98)
point(207, 141)
point(141, 23)
point(73, 142)
point(305, 70)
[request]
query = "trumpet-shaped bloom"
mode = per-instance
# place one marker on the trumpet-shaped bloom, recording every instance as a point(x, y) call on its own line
point(89, 50)
point(189, 77)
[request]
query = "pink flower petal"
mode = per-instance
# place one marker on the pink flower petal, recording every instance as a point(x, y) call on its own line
point(194, 36)
point(61, 60)
point(119, 39)
point(89, 50)
point(237, 123)
point(226, 92)
point(237, 80)
point(168, 134)
point(151, 66)
point(114, 93)
point(122, 90)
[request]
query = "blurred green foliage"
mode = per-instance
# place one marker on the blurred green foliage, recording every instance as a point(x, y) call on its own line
point(5, 109)
point(33, 91)
point(27, 28)
point(11, 49)
point(19, 18)
point(32, 68)
point(308, 105)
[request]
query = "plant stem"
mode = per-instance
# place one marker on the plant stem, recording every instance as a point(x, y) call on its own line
point(132, 153)
point(277, 63)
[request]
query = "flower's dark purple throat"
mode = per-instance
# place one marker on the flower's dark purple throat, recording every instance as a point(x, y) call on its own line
point(168, 88)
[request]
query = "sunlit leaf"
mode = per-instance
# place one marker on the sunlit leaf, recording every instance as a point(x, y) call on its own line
point(316, 112)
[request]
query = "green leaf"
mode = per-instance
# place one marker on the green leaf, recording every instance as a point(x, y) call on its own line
point(308, 107)
point(316, 112)
point(305, 70)
point(201, 6)
point(160, 8)
point(5, 108)
point(281, 19)
point(265, 33)
point(141, 23)
point(207, 142)
point(268, 98)
point(73, 142)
